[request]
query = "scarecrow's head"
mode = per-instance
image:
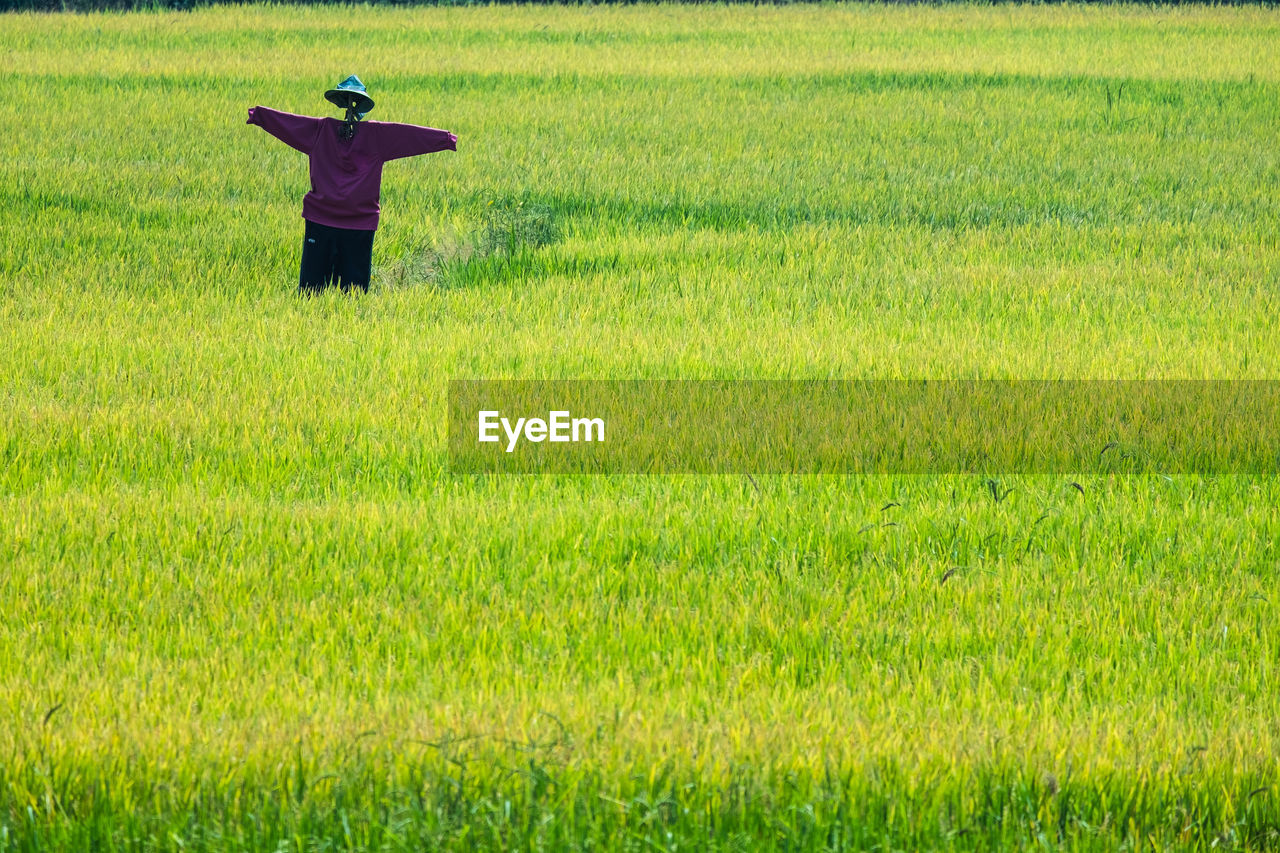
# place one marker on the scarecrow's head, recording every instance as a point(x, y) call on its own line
point(351, 96)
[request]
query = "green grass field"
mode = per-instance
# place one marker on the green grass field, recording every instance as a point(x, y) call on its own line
point(244, 603)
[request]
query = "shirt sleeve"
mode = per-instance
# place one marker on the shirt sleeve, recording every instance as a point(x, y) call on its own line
point(409, 140)
point(296, 131)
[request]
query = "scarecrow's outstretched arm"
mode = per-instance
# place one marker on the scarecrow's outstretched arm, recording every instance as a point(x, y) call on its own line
point(296, 131)
point(409, 140)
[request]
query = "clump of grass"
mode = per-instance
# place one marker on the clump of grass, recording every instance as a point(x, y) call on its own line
point(507, 230)
point(512, 225)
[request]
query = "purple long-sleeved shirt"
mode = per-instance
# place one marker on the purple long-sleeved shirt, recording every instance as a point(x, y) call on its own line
point(346, 175)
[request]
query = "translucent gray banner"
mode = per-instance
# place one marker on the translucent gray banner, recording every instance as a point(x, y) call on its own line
point(863, 426)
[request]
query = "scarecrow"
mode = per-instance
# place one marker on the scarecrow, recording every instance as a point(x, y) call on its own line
point(341, 211)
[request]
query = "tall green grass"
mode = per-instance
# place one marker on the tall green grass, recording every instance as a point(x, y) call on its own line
point(244, 604)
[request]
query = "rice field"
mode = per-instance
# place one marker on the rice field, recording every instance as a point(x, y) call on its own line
point(246, 603)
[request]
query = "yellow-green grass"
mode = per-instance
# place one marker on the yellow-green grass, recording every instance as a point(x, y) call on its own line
point(246, 604)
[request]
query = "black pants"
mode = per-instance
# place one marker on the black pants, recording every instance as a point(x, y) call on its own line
point(330, 256)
